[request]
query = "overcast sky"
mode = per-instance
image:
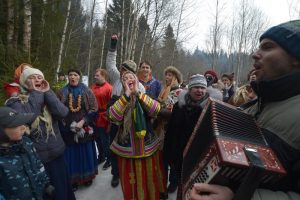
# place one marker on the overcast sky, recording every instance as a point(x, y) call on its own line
point(276, 11)
point(199, 16)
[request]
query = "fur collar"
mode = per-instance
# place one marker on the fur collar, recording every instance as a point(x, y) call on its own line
point(182, 99)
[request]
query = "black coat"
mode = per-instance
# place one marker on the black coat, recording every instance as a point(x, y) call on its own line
point(179, 130)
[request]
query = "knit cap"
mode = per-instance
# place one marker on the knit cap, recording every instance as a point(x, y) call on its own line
point(287, 35)
point(27, 72)
point(197, 80)
point(129, 65)
point(213, 74)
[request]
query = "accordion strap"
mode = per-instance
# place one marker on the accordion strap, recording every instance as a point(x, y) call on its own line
point(252, 178)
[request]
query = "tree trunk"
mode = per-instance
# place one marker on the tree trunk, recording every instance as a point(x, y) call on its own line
point(10, 26)
point(63, 39)
point(128, 33)
point(27, 27)
point(242, 32)
point(41, 35)
point(134, 39)
point(122, 30)
point(146, 32)
point(90, 40)
point(104, 34)
point(177, 32)
point(216, 33)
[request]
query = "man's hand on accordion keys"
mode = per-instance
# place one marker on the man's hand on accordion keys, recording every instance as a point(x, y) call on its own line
point(203, 191)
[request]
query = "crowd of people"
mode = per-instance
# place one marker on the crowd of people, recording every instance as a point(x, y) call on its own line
point(52, 139)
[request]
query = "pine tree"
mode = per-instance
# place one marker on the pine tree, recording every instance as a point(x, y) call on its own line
point(169, 44)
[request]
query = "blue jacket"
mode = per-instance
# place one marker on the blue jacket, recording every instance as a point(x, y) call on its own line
point(152, 87)
point(22, 175)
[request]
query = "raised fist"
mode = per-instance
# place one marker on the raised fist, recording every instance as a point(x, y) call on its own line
point(113, 42)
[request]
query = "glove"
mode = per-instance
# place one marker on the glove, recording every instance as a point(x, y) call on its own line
point(113, 42)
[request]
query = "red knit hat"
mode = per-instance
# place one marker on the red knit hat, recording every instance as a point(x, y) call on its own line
point(212, 73)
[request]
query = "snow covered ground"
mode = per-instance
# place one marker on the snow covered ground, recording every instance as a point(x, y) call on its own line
point(102, 190)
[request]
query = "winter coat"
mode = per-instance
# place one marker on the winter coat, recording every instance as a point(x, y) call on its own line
point(152, 87)
point(22, 175)
point(277, 113)
point(228, 93)
point(48, 146)
point(263, 194)
point(180, 128)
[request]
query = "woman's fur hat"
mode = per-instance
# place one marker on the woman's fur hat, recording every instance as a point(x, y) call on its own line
point(174, 71)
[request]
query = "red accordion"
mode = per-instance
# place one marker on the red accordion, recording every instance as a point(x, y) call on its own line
point(217, 149)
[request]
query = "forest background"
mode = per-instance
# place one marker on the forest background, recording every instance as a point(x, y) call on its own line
point(56, 35)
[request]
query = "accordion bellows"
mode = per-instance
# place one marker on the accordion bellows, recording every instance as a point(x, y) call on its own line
point(216, 153)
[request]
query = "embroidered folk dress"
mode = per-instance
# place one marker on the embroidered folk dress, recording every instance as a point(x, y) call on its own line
point(80, 155)
point(138, 158)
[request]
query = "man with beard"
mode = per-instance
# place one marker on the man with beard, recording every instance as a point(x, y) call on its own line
point(276, 109)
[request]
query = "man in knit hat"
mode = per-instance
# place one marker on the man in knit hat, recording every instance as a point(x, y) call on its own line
point(276, 109)
point(184, 116)
point(114, 75)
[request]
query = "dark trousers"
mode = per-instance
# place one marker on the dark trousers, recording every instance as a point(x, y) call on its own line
point(102, 142)
point(59, 178)
point(171, 174)
point(113, 157)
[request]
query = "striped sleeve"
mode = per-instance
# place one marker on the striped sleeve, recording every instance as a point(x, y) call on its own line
point(150, 105)
point(116, 111)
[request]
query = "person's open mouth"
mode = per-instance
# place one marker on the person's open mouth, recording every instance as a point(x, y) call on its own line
point(37, 86)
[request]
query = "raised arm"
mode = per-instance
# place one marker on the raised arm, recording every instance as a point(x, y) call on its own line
point(111, 63)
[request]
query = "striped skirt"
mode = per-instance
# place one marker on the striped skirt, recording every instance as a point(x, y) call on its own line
point(142, 178)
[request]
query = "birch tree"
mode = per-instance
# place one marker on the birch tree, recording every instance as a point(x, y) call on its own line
point(122, 28)
point(182, 7)
point(63, 39)
point(104, 34)
point(248, 28)
point(27, 27)
point(147, 11)
point(215, 37)
point(10, 25)
point(135, 28)
point(90, 39)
